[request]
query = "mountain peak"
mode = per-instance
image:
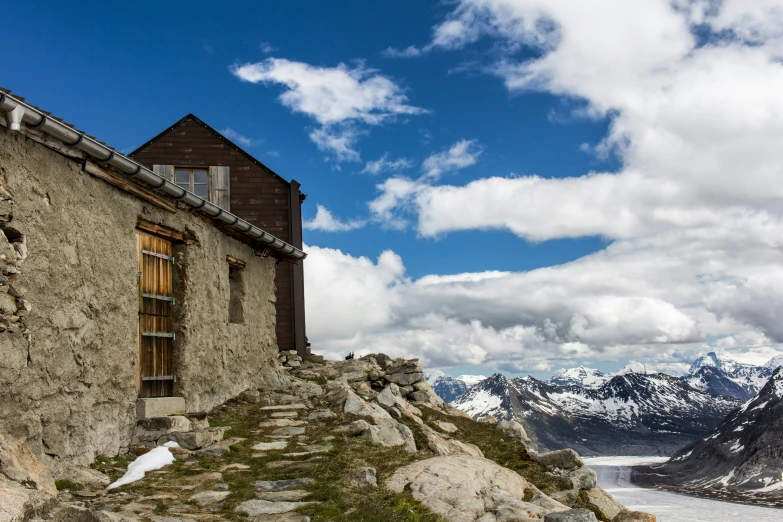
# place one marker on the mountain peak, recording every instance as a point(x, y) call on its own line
point(633, 367)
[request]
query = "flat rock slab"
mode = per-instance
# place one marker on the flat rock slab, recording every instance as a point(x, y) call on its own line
point(265, 507)
point(572, 515)
point(235, 466)
point(279, 407)
point(283, 517)
point(289, 431)
point(207, 498)
point(276, 445)
point(291, 464)
point(284, 414)
point(291, 495)
point(281, 485)
point(310, 450)
point(322, 415)
point(446, 427)
point(281, 423)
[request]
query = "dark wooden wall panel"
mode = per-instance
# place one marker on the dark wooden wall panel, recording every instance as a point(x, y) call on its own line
point(257, 195)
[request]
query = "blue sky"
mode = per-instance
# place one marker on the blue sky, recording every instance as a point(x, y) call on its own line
point(533, 100)
point(148, 64)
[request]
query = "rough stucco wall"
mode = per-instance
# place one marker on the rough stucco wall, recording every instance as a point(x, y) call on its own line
point(70, 391)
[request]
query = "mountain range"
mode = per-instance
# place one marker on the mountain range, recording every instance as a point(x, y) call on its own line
point(630, 414)
point(449, 388)
point(744, 454)
point(719, 376)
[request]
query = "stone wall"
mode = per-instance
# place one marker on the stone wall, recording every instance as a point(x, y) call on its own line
point(68, 316)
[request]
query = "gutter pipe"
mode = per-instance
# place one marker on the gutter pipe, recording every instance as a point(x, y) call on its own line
point(17, 113)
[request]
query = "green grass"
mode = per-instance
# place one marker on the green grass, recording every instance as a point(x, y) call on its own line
point(336, 499)
point(67, 485)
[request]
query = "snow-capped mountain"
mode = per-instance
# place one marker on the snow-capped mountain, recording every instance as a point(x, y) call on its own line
point(449, 388)
point(631, 414)
point(581, 376)
point(718, 375)
point(773, 363)
point(592, 378)
point(743, 454)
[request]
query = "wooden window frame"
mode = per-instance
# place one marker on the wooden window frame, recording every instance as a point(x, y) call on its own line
point(191, 184)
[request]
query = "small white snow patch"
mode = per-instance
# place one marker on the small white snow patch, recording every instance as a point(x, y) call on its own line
point(155, 459)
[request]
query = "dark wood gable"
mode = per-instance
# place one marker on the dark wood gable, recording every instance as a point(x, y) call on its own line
point(257, 194)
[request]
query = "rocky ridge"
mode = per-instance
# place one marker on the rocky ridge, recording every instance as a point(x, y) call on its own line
point(741, 457)
point(630, 414)
point(365, 439)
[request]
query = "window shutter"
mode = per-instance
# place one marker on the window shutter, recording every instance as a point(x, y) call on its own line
point(164, 171)
point(220, 194)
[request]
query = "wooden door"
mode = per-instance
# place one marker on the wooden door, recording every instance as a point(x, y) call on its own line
point(154, 360)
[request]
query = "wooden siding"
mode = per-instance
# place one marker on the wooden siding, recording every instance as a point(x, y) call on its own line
point(258, 195)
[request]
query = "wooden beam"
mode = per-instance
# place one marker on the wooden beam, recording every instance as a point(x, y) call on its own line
point(160, 231)
point(128, 186)
point(235, 264)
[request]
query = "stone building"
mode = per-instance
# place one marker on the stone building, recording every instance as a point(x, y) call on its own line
point(195, 156)
point(118, 287)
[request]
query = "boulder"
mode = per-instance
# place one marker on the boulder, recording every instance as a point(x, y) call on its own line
point(446, 427)
point(17, 501)
point(18, 464)
point(634, 516)
point(404, 379)
point(517, 432)
point(583, 478)
point(419, 396)
point(389, 396)
point(87, 477)
point(572, 515)
point(567, 497)
point(391, 433)
point(599, 499)
point(252, 396)
point(467, 489)
point(566, 459)
point(362, 477)
point(442, 446)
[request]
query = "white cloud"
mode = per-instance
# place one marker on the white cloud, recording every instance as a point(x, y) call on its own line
point(384, 164)
point(266, 48)
point(694, 215)
point(326, 222)
point(462, 154)
point(338, 140)
point(338, 98)
point(409, 52)
point(239, 138)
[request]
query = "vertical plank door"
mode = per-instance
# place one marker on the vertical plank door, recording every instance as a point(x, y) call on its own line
point(154, 361)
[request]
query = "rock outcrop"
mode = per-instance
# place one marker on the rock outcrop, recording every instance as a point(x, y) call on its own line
point(467, 489)
point(744, 455)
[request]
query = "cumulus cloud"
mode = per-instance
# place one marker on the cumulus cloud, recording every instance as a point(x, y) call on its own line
point(338, 98)
point(326, 222)
point(693, 218)
point(409, 52)
point(384, 164)
point(461, 155)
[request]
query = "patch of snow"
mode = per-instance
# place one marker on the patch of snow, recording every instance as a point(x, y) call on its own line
point(481, 402)
point(682, 457)
point(150, 461)
point(736, 447)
